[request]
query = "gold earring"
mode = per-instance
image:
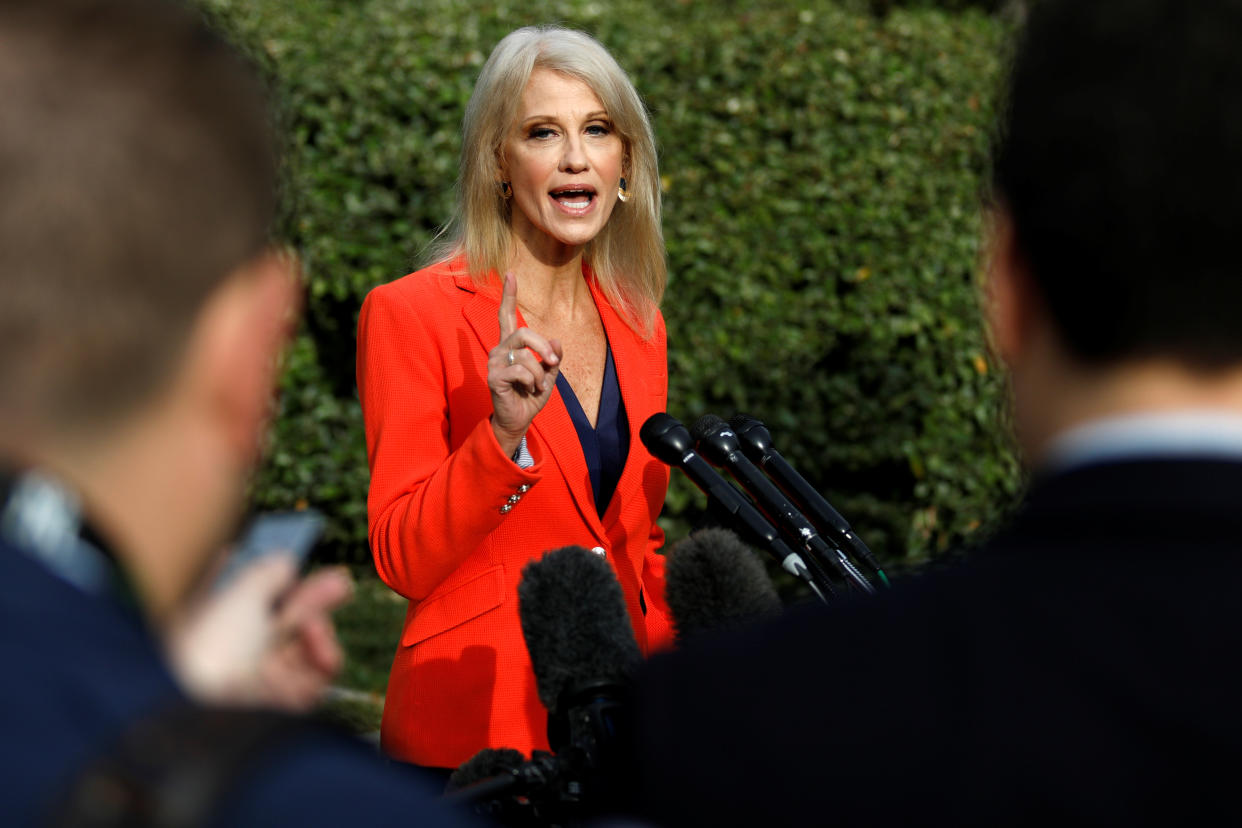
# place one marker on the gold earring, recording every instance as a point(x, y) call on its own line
point(506, 190)
point(622, 193)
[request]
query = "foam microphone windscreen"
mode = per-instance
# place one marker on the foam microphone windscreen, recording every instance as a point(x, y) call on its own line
point(485, 764)
point(575, 623)
point(716, 582)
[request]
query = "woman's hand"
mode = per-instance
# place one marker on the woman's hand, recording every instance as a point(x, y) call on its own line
point(521, 372)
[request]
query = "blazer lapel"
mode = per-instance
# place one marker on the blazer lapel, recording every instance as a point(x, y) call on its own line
point(630, 356)
point(555, 429)
point(551, 426)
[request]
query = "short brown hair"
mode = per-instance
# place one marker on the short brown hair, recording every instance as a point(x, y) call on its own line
point(137, 172)
point(1119, 156)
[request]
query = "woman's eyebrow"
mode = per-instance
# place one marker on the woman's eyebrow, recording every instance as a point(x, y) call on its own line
point(590, 116)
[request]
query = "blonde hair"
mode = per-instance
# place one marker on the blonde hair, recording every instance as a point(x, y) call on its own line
point(627, 257)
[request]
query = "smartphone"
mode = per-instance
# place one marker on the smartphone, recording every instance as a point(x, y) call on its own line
point(274, 533)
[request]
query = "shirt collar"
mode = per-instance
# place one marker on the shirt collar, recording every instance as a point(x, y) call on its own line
point(1197, 433)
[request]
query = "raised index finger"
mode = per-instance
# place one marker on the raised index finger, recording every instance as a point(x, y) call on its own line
point(508, 307)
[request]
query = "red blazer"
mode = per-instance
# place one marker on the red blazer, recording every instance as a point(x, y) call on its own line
point(461, 679)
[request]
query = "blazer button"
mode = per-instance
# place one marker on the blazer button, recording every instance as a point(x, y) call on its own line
point(504, 510)
point(514, 499)
point(524, 488)
point(599, 550)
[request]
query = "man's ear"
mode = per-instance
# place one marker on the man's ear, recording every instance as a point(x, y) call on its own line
point(1011, 301)
point(242, 335)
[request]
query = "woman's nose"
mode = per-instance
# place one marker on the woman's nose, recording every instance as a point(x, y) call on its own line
point(574, 158)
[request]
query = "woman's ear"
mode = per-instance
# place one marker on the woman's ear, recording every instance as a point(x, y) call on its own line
point(502, 164)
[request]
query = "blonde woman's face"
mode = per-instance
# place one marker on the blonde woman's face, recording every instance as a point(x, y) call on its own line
point(564, 160)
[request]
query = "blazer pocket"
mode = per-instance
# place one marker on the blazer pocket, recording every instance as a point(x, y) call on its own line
point(468, 600)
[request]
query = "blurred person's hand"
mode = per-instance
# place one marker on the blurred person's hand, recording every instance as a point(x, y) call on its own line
point(266, 640)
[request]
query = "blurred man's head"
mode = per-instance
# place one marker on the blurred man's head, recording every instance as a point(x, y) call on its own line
point(138, 174)
point(141, 315)
point(1118, 169)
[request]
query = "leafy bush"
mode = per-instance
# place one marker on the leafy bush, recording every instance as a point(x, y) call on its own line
point(821, 169)
point(1010, 8)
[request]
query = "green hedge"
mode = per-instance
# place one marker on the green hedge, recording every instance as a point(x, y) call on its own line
point(822, 169)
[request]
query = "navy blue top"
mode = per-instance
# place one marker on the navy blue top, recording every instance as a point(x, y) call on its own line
point(606, 445)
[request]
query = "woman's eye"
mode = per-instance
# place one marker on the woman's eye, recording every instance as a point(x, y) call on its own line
point(542, 132)
point(599, 129)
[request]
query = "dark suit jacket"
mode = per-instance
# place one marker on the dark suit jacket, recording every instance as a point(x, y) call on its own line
point(79, 670)
point(1079, 670)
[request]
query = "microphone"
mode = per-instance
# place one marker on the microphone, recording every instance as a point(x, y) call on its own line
point(669, 441)
point(717, 442)
point(584, 656)
point(575, 624)
point(500, 783)
point(713, 581)
point(486, 764)
point(756, 444)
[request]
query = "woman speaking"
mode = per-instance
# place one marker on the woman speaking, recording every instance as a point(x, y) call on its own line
point(503, 388)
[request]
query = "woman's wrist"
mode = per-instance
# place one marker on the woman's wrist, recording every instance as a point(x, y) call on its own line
point(508, 441)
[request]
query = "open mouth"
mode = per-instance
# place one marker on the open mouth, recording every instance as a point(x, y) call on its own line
point(573, 198)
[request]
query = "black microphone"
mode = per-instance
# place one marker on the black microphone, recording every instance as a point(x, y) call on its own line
point(501, 784)
point(669, 441)
point(577, 632)
point(719, 445)
point(713, 581)
point(575, 623)
point(756, 444)
point(487, 764)
point(584, 656)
